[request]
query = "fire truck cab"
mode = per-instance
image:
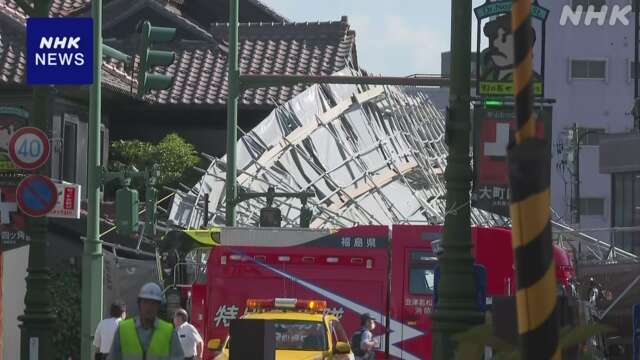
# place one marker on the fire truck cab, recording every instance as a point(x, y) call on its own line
point(386, 272)
point(302, 330)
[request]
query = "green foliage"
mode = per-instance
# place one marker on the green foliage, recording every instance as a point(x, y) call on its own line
point(173, 154)
point(472, 342)
point(65, 299)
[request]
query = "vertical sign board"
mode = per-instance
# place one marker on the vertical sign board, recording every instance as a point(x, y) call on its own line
point(68, 205)
point(493, 129)
point(494, 65)
point(59, 50)
point(12, 221)
point(11, 120)
point(636, 332)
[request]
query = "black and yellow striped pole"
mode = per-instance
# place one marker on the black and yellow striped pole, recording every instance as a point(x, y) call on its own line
point(529, 174)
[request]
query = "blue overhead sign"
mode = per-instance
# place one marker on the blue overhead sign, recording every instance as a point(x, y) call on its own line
point(59, 51)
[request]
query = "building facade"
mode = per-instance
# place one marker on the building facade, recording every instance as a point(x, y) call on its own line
point(588, 72)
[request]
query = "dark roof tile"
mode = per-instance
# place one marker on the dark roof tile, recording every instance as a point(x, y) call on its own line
point(275, 48)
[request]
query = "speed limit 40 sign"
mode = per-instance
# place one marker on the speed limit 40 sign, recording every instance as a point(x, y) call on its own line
point(29, 148)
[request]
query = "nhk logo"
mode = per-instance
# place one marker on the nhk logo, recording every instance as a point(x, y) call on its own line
point(588, 16)
point(59, 51)
point(58, 58)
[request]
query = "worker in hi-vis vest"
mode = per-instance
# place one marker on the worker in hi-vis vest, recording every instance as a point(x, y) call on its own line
point(146, 337)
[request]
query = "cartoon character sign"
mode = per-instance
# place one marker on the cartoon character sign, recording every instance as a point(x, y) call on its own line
point(496, 61)
point(11, 119)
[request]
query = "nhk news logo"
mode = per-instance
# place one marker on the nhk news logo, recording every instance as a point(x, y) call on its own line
point(588, 16)
point(59, 51)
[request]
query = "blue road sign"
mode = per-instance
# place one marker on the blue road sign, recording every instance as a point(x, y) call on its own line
point(36, 195)
point(636, 332)
point(59, 50)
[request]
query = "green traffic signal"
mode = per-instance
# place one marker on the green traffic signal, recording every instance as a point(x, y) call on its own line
point(149, 58)
point(493, 103)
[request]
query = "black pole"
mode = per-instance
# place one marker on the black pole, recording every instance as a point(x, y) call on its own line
point(576, 190)
point(636, 121)
point(635, 65)
point(206, 211)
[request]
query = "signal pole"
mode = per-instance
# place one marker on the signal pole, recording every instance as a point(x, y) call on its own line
point(38, 318)
point(457, 310)
point(529, 176)
point(92, 267)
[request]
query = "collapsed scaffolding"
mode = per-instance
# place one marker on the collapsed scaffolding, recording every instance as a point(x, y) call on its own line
point(372, 155)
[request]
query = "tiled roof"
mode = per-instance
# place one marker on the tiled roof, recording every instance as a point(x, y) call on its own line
point(276, 48)
point(58, 7)
point(13, 62)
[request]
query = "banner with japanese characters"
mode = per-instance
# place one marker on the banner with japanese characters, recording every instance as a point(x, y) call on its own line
point(494, 129)
point(227, 312)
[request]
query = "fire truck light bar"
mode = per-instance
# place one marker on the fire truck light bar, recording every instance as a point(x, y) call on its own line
point(282, 303)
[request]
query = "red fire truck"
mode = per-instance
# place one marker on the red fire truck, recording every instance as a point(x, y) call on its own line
point(386, 272)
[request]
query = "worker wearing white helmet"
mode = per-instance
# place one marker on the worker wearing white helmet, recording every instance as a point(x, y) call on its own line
point(146, 337)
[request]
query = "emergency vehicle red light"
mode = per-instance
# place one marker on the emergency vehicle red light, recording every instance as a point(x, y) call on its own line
point(260, 303)
point(313, 305)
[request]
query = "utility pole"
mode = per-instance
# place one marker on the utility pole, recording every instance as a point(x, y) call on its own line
point(529, 176)
point(636, 66)
point(232, 115)
point(576, 173)
point(38, 318)
point(91, 309)
point(457, 310)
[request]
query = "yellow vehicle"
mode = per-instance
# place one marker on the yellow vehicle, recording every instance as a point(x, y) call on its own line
point(303, 331)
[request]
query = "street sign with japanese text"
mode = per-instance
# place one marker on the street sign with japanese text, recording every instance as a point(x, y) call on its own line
point(12, 224)
point(59, 50)
point(494, 128)
point(36, 195)
point(68, 205)
point(29, 148)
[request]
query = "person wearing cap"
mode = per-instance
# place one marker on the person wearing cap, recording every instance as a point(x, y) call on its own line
point(107, 328)
point(146, 337)
point(189, 336)
point(363, 342)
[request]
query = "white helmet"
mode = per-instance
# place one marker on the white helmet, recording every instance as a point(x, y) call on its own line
point(151, 291)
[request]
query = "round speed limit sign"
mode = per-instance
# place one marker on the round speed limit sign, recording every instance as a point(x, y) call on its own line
point(29, 148)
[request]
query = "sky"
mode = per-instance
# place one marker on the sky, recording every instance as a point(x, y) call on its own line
point(391, 39)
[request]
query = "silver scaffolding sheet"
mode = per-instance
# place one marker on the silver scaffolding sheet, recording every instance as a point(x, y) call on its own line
point(372, 155)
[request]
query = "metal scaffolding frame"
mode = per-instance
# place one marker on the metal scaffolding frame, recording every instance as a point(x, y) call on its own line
point(372, 155)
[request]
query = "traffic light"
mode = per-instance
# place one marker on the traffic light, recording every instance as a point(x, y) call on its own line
point(149, 58)
point(126, 211)
point(270, 217)
point(305, 217)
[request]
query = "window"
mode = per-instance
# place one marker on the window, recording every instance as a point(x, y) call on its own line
point(589, 69)
point(337, 333)
point(590, 136)
point(300, 335)
point(597, 4)
point(421, 280)
point(591, 206)
point(626, 210)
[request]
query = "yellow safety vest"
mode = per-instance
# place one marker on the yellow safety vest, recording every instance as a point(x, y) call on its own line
point(159, 346)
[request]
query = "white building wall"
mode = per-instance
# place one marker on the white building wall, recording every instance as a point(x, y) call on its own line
point(589, 103)
point(14, 288)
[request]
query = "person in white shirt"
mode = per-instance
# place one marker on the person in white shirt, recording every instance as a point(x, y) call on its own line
point(106, 330)
point(190, 339)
